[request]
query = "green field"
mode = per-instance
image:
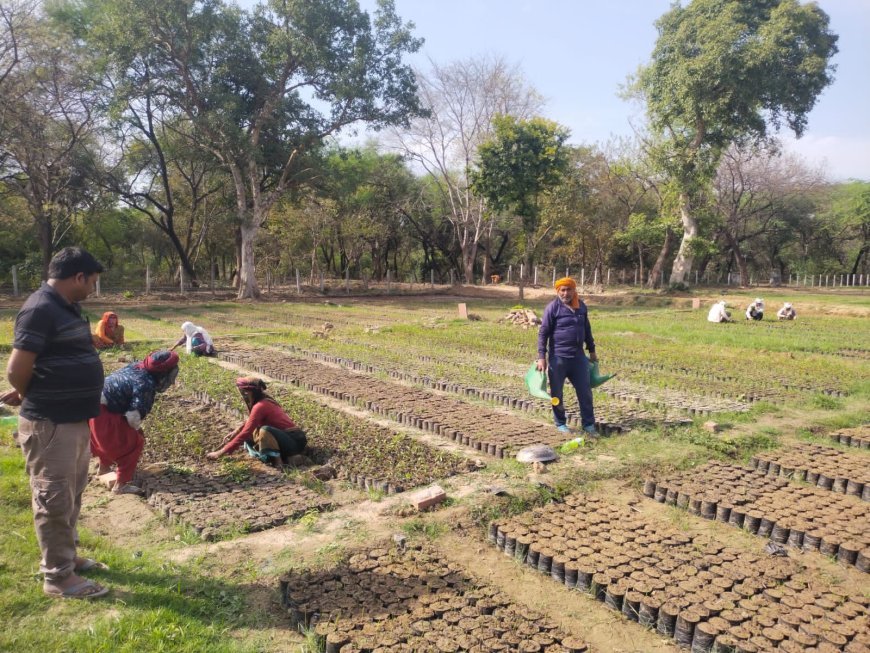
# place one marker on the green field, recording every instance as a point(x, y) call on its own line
point(766, 384)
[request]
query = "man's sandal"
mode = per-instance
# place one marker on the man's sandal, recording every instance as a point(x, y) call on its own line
point(87, 589)
point(89, 564)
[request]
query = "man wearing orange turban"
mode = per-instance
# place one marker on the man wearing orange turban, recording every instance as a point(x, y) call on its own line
point(565, 328)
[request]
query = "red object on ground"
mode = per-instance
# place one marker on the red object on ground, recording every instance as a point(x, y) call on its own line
point(113, 440)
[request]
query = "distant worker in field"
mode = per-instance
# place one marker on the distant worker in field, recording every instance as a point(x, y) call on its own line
point(196, 340)
point(268, 434)
point(755, 311)
point(564, 330)
point(787, 312)
point(718, 313)
point(109, 332)
point(128, 396)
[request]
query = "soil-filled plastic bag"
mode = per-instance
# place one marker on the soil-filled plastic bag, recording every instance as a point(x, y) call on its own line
point(536, 382)
point(595, 378)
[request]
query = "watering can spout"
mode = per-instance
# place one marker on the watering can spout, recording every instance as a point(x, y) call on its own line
point(596, 378)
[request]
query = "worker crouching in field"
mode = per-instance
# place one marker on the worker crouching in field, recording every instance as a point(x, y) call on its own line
point(196, 340)
point(268, 434)
point(128, 396)
point(718, 313)
point(109, 332)
point(787, 312)
point(755, 311)
point(564, 330)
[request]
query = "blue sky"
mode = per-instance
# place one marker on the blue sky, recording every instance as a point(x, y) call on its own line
point(577, 53)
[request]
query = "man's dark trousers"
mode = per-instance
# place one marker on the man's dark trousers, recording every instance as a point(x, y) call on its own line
point(576, 370)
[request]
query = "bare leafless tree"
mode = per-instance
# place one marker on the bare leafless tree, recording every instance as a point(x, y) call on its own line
point(47, 148)
point(461, 99)
point(752, 185)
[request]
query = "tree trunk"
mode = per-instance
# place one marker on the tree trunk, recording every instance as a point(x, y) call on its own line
point(683, 261)
point(184, 259)
point(247, 269)
point(857, 264)
point(656, 272)
point(45, 244)
point(738, 258)
point(469, 253)
point(640, 262)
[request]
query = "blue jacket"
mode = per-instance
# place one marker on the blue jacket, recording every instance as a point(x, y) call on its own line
point(130, 389)
point(563, 331)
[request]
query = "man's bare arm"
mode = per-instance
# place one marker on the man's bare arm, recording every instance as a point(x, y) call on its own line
point(19, 369)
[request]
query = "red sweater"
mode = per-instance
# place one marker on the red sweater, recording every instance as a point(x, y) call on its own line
point(264, 413)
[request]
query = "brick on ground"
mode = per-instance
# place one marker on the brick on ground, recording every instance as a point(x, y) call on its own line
point(427, 497)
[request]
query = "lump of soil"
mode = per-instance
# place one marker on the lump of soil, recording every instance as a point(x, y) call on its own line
point(299, 461)
point(324, 473)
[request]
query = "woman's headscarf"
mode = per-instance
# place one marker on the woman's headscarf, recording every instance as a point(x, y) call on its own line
point(190, 330)
point(568, 281)
point(104, 331)
point(251, 386)
point(163, 366)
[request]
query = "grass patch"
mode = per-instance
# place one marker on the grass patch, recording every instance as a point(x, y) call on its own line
point(824, 402)
point(428, 528)
point(154, 605)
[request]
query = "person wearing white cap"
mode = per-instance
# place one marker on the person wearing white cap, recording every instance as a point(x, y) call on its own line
point(755, 311)
point(718, 313)
point(787, 312)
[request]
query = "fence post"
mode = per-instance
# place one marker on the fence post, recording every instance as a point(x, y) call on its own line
point(298, 283)
point(522, 271)
point(510, 272)
point(432, 278)
point(389, 281)
point(347, 280)
point(15, 280)
point(453, 282)
point(211, 275)
point(608, 276)
point(582, 277)
point(322, 283)
point(554, 277)
point(536, 275)
point(696, 277)
point(595, 277)
point(98, 287)
point(147, 279)
point(181, 278)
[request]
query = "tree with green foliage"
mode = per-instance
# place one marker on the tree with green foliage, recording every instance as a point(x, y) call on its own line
point(517, 167)
point(850, 214)
point(261, 90)
point(723, 72)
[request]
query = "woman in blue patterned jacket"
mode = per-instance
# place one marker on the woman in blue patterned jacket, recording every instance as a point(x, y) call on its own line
point(128, 396)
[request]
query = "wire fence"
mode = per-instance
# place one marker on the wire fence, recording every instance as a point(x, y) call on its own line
point(536, 276)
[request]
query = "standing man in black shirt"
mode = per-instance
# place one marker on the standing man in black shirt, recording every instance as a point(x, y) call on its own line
point(57, 378)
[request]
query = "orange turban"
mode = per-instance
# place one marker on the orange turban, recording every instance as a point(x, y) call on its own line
point(568, 281)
